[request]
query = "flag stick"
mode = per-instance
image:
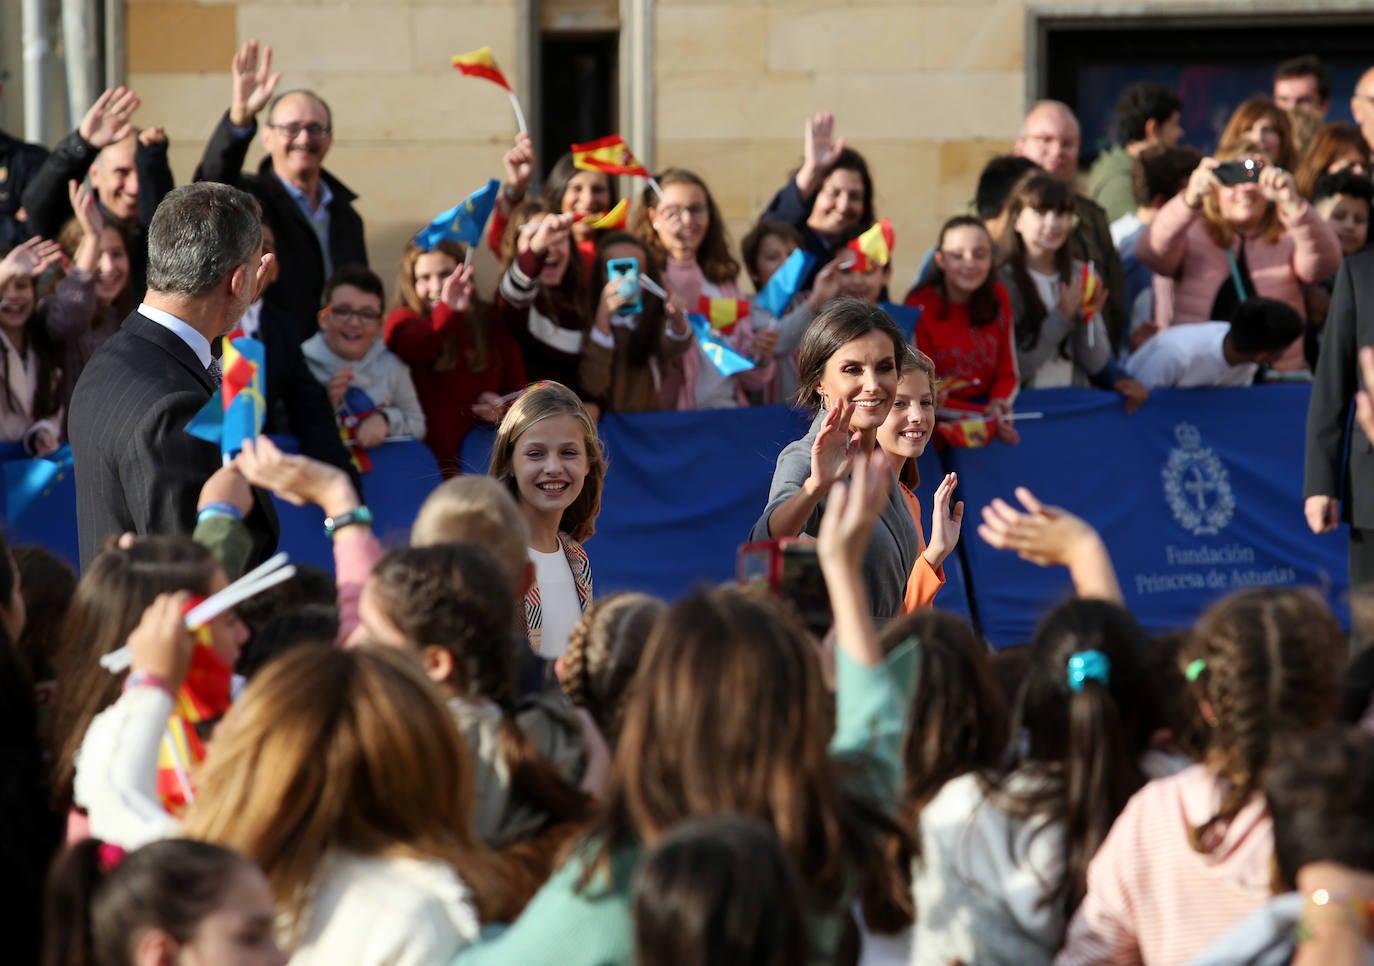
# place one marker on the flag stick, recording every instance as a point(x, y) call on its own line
point(519, 114)
point(652, 287)
point(653, 183)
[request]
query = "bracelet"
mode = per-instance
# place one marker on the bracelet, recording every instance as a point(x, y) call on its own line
point(1340, 907)
point(359, 516)
point(218, 509)
point(147, 679)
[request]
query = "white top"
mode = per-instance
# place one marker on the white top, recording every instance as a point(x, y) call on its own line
point(1124, 227)
point(1055, 371)
point(980, 879)
point(1188, 357)
point(557, 601)
point(183, 331)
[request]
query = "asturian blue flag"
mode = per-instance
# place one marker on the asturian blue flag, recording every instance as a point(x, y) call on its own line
point(905, 316)
point(463, 222)
point(779, 291)
point(724, 358)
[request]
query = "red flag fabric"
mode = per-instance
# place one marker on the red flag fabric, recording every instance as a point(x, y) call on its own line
point(480, 63)
point(609, 154)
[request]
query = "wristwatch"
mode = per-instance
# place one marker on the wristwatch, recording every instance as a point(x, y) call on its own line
point(333, 525)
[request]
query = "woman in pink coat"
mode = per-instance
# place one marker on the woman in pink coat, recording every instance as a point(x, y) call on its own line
point(1221, 244)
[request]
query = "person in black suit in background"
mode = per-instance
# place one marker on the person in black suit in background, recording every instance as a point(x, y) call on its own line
point(136, 467)
point(317, 228)
point(297, 405)
point(1337, 488)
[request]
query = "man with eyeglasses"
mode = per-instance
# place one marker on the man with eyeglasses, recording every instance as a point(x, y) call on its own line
point(1050, 136)
point(318, 230)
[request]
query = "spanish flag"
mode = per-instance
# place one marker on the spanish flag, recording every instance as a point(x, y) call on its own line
point(1094, 293)
point(723, 314)
point(615, 218)
point(873, 249)
point(610, 155)
point(202, 700)
point(966, 433)
point(480, 63)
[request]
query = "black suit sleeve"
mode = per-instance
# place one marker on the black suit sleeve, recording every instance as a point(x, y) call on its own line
point(1333, 388)
point(45, 199)
point(224, 154)
point(162, 468)
point(154, 179)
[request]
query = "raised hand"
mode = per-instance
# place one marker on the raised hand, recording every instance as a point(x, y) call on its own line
point(833, 451)
point(853, 509)
point(87, 210)
point(151, 136)
point(552, 229)
point(519, 164)
point(160, 645)
point(1071, 297)
point(1050, 536)
point(820, 148)
point(1280, 187)
point(826, 287)
point(107, 121)
point(946, 522)
point(296, 479)
point(456, 291)
point(1201, 183)
point(29, 259)
point(338, 385)
point(253, 83)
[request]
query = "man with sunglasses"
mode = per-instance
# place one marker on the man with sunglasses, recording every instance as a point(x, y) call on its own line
point(318, 230)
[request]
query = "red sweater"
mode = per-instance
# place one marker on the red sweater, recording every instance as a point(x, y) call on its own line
point(982, 356)
point(436, 349)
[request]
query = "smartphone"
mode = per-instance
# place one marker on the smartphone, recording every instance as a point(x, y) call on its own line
point(1238, 172)
point(790, 569)
point(626, 271)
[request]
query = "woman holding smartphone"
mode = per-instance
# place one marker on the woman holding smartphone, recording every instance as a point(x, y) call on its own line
point(1236, 231)
point(626, 349)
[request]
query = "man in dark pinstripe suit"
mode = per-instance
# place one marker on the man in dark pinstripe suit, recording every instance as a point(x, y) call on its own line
point(136, 467)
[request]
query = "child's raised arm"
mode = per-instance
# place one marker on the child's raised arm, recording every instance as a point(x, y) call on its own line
point(1049, 536)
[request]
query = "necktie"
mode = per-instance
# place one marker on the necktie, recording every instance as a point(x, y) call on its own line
point(216, 375)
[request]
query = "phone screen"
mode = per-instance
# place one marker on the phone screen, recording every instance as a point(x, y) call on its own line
point(803, 585)
point(626, 272)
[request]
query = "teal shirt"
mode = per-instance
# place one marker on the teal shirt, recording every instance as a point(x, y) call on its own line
point(564, 927)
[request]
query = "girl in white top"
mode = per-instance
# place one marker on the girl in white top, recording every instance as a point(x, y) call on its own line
point(548, 454)
point(339, 773)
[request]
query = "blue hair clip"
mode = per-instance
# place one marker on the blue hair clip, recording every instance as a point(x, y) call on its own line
point(1089, 666)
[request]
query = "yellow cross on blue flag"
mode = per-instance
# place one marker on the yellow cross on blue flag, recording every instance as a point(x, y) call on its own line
point(238, 408)
point(463, 222)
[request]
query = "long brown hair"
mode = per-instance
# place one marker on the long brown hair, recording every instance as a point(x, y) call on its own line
point(717, 264)
point(1268, 663)
point(109, 601)
point(841, 322)
point(482, 352)
point(983, 306)
point(730, 713)
point(1041, 191)
point(1331, 141)
point(647, 338)
point(333, 749)
point(540, 401)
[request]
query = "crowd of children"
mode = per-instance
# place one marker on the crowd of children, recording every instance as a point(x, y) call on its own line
point(453, 752)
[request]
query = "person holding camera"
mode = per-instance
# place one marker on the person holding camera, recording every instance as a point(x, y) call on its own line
point(1238, 229)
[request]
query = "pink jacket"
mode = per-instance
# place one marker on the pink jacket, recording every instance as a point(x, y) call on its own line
point(680, 376)
point(1176, 244)
point(1151, 897)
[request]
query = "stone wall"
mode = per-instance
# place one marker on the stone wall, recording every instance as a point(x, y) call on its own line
point(926, 90)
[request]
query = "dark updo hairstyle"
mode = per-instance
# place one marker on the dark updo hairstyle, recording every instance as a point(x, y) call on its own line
point(720, 889)
point(99, 902)
point(840, 323)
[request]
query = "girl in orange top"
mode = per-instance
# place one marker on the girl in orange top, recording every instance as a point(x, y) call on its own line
point(903, 436)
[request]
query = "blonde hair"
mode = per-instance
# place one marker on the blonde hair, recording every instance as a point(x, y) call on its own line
point(541, 401)
point(476, 509)
point(1218, 228)
point(343, 749)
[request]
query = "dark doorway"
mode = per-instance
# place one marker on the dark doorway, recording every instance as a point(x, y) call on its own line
point(578, 80)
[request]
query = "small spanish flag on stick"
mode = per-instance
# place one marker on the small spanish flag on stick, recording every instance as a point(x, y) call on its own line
point(480, 63)
point(611, 155)
point(615, 218)
point(873, 249)
point(723, 314)
point(967, 433)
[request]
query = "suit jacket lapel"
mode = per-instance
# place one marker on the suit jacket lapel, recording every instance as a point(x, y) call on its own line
point(169, 342)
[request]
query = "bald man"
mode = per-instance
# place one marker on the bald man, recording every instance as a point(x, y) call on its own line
point(1050, 136)
point(317, 228)
point(128, 171)
point(1362, 106)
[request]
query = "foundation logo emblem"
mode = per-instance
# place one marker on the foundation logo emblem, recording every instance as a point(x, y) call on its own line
point(1197, 485)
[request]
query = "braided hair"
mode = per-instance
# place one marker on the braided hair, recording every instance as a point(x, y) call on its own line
point(603, 653)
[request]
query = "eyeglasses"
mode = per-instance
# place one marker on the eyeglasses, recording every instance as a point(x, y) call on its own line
point(344, 313)
point(676, 212)
point(315, 132)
